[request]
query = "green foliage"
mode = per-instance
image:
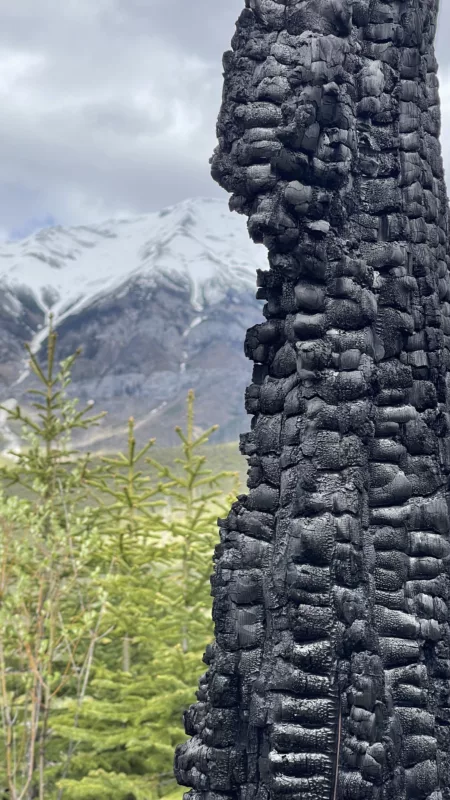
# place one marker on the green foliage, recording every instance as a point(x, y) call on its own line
point(47, 467)
point(105, 613)
point(159, 607)
point(51, 609)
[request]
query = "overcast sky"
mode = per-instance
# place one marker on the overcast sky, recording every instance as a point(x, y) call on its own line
point(108, 107)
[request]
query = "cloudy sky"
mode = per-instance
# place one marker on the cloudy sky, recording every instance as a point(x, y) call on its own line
point(108, 107)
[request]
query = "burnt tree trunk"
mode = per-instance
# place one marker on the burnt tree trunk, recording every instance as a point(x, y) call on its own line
point(329, 675)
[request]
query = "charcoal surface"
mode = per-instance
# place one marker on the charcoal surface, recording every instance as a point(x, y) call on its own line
point(329, 675)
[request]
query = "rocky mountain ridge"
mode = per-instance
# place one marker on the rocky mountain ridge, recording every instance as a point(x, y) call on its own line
point(159, 303)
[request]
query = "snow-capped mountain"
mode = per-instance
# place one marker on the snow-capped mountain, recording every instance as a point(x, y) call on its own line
point(159, 302)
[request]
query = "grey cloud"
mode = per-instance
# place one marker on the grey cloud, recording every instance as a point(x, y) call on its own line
point(110, 106)
point(205, 25)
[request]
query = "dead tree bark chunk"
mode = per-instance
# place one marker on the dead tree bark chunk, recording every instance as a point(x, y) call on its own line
point(329, 674)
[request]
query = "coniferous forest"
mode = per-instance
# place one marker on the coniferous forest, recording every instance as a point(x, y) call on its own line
point(105, 600)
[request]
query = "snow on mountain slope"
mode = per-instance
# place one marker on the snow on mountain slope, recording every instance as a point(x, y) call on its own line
point(196, 242)
point(159, 303)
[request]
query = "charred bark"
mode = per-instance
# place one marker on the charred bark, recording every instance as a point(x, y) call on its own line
point(329, 674)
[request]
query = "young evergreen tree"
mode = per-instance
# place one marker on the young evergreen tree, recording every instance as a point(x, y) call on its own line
point(104, 602)
point(50, 607)
point(159, 608)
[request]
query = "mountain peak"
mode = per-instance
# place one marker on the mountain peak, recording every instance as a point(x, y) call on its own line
point(158, 302)
point(198, 239)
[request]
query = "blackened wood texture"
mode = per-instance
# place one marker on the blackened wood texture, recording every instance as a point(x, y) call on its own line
point(329, 674)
